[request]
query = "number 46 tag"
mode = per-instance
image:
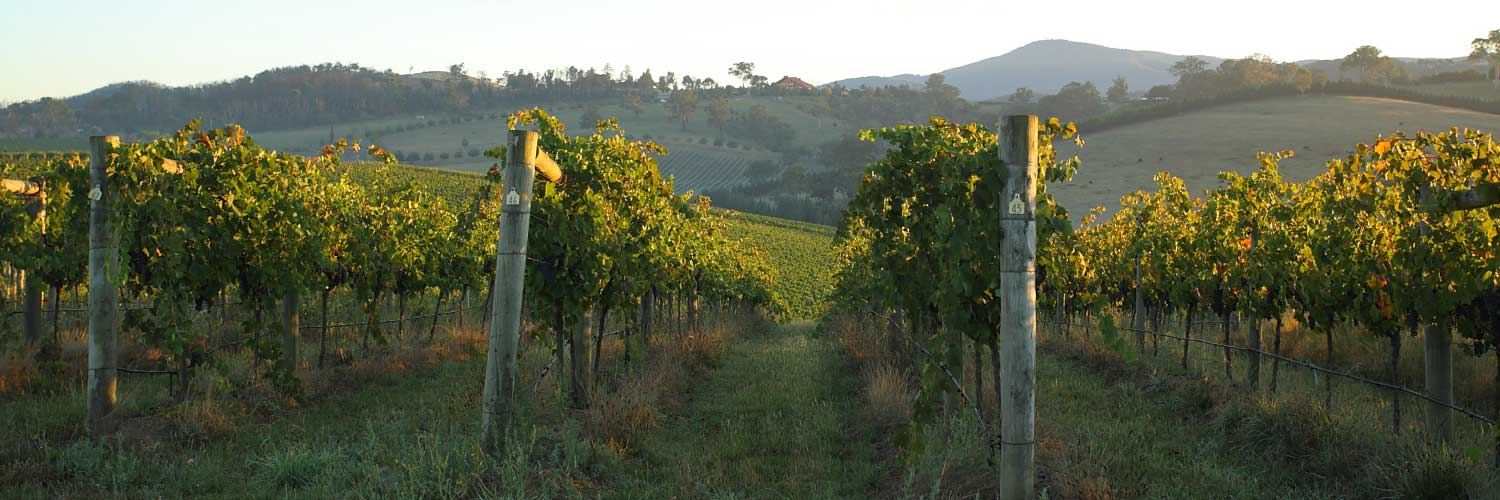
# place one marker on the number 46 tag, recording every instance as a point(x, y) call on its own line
point(1017, 207)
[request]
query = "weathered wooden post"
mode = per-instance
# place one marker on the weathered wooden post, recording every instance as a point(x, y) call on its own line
point(510, 273)
point(27, 281)
point(1018, 149)
point(1437, 362)
point(103, 296)
point(31, 320)
point(1138, 316)
point(291, 325)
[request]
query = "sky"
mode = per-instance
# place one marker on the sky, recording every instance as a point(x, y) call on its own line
point(61, 48)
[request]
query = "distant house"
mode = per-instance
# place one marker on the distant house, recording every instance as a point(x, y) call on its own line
point(792, 82)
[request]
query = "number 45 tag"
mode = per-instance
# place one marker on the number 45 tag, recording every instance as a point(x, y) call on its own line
point(1017, 207)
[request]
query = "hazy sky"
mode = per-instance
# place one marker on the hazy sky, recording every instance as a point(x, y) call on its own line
point(66, 47)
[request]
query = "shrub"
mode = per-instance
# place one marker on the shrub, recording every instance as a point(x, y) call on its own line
point(443, 156)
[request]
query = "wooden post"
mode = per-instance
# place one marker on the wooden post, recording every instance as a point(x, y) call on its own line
point(1437, 372)
point(1018, 149)
point(579, 352)
point(31, 320)
point(1252, 334)
point(103, 296)
point(291, 325)
point(323, 332)
point(510, 273)
point(692, 303)
point(1138, 316)
point(1437, 364)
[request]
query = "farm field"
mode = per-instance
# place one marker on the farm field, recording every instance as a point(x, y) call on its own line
point(1477, 90)
point(1197, 146)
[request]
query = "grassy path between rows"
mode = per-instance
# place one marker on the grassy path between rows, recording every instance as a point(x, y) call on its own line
point(779, 418)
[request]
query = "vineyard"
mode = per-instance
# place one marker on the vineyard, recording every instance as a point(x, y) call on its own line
point(1397, 240)
point(250, 277)
point(702, 168)
point(1333, 337)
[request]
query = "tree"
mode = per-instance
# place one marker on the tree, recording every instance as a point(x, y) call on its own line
point(1189, 65)
point(457, 70)
point(646, 83)
point(745, 71)
point(719, 113)
point(633, 103)
point(1074, 101)
point(1159, 92)
point(944, 97)
point(1372, 65)
point(1119, 91)
point(1488, 49)
point(684, 104)
point(1022, 95)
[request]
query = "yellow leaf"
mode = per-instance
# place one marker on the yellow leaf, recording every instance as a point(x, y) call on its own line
point(1382, 146)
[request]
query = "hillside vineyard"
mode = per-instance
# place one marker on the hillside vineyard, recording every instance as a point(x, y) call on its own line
point(204, 214)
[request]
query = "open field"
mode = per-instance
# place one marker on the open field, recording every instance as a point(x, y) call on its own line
point(1478, 90)
point(1198, 145)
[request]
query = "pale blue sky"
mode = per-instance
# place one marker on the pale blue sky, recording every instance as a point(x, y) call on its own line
point(65, 47)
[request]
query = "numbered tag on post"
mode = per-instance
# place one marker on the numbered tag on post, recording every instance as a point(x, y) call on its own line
point(512, 198)
point(1017, 207)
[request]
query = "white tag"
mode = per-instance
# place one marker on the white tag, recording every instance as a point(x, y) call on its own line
point(512, 198)
point(1017, 207)
point(95, 194)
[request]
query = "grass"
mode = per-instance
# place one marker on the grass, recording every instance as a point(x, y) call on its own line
point(1197, 146)
point(778, 419)
point(1151, 429)
point(400, 433)
point(1112, 428)
point(1477, 90)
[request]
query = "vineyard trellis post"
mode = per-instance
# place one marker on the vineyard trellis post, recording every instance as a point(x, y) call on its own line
point(523, 162)
point(31, 284)
point(103, 296)
point(1018, 150)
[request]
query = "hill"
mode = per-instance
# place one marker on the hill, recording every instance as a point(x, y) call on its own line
point(1046, 65)
point(1196, 146)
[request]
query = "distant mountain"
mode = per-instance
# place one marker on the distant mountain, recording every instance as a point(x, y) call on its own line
point(1045, 66)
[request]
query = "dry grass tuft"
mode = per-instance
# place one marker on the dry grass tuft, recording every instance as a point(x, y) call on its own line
point(18, 374)
point(635, 405)
point(889, 393)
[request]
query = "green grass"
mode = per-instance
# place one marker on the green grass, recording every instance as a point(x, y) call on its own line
point(1196, 146)
point(404, 435)
point(778, 419)
point(1137, 439)
point(1478, 90)
point(801, 255)
point(1155, 430)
